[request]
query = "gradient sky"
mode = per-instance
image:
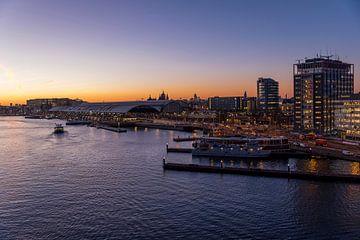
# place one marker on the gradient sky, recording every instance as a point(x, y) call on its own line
point(126, 50)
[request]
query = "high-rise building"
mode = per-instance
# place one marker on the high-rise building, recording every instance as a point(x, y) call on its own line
point(318, 84)
point(268, 95)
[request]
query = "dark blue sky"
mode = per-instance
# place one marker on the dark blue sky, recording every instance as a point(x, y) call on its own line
point(114, 50)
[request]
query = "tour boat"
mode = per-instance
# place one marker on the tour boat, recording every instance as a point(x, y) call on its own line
point(58, 129)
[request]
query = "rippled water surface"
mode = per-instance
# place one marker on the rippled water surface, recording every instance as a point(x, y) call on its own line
point(95, 184)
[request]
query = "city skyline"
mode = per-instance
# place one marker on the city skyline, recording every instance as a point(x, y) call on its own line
point(129, 50)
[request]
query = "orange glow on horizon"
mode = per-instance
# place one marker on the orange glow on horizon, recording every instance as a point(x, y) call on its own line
point(176, 90)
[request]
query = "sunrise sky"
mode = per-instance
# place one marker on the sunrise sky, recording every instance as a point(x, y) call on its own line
point(125, 50)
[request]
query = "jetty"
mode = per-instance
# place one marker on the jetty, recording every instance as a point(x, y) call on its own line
point(330, 177)
point(113, 129)
point(185, 139)
point(179, 150)
point(285, 154)
point(78, 122)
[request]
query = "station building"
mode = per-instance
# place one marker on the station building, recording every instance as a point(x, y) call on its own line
point(150, 106)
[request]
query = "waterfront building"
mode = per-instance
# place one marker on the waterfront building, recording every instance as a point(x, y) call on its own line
point(122, 108)
point(44, 104)
point(347, 117)
point(225, 104)
point(268, 95)
point(52, 102)
point(318, 83)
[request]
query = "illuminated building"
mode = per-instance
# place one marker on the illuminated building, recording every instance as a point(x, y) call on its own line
point(287, 106)
point(268, 94)
point(347, 117)
point(318, 84)
point(225, 103)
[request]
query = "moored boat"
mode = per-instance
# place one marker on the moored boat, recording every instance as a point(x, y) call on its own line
point(239, 147)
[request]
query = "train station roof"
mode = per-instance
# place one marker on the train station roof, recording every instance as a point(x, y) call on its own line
point(114, 107)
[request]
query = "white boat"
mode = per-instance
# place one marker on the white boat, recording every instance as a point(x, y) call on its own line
point(58, 129)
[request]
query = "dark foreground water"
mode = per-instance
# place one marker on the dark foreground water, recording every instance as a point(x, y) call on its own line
point(96, 184)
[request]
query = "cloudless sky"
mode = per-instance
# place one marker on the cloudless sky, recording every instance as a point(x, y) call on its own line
point(125, 50)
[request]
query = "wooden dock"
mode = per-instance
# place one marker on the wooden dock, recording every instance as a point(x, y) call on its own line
point(264, 172)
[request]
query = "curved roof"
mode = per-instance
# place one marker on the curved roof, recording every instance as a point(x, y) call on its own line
point(113, 107)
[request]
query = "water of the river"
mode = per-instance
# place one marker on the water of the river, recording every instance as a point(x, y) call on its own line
point(96, 184)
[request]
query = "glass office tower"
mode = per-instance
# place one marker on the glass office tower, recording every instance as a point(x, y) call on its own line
point(268, 95)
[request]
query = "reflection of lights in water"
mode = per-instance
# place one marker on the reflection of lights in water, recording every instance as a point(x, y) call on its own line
point(171, 132)
point(355, 168)
point(313, 165)
point(232, 163)
point(135, 129)
point(146, 129)
point(157, 132)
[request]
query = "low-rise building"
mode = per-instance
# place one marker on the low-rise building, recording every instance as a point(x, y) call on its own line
point(287, 106)
point(40, 105)
point(225, 104)
point(250, 104)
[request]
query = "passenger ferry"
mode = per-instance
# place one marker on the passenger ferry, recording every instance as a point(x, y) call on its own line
point(58, 129)
point(240, 147)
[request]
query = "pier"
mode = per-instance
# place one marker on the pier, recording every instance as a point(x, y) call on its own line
point(263, 172)
point(185, 139)
point(179, 150)
point(286, 154)
point(113, 129)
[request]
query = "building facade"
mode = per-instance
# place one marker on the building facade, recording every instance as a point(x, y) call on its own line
point(318, 84)
point(44, 104)
point(347, 117)
point(268, 95)
point(225, 104)
point(249, 104)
